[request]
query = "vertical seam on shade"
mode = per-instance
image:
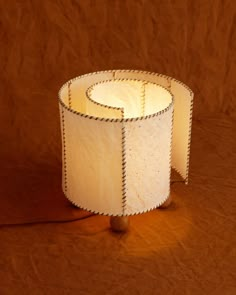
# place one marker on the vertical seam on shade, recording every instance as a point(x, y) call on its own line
point(171, 146)
point(64, 149)
point(123, 167)
point(172, 124)
point(69, 94)
point(143, 98)
point(189, 140)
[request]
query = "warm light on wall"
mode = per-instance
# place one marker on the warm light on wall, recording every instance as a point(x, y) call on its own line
point(122, 131)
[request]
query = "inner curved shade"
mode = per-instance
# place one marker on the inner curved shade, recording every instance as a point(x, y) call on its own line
point(134, 97)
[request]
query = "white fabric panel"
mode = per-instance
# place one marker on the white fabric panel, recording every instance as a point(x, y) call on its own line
point(145, 76)
point(157, 98)
point(94, 163)
point(119, 94)
point(102, 111)
point(64, 95)
point(181, 127)
point(148, 147)
point(182, 115)
point(79, 87)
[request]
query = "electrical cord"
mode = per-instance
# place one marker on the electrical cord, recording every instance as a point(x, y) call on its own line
point(45, 221)
point(59, 221)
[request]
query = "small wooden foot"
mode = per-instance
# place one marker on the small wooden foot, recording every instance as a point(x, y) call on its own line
point(119, 223)
point(166, 203)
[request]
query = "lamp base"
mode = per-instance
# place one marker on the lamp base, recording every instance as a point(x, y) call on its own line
point(167, 203)
point(119, 223)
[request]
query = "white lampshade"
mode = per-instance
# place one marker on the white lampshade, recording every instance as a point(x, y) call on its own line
point(122, 131)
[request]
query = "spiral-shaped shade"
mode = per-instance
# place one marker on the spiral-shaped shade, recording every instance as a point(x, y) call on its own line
point(121, 132)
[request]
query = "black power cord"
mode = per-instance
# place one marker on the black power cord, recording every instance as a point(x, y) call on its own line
point(59, 221)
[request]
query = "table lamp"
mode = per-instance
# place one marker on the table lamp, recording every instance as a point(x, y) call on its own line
point(122, 131)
